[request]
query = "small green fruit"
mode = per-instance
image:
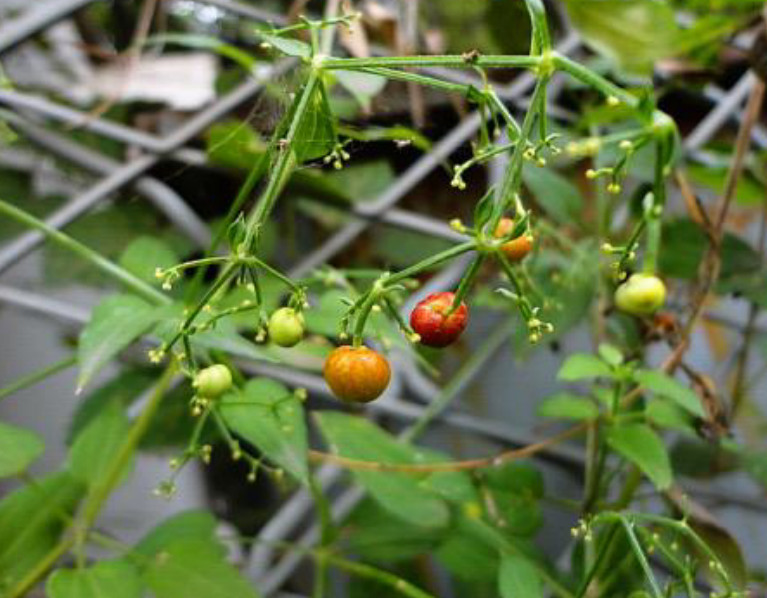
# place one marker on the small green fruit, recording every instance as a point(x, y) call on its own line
point(286, 327)
point(641, 295)
point(213, 381)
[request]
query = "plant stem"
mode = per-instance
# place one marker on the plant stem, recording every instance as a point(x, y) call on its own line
point(592, 79)
point(597, 562)
point(37, 376)
point(104, 487)
point(396, 75)
point(640, 555)
point(513, 176)
point(108, 267)
point(429, 262)
point(254, 175)
point(466, 281)
point(100, 492)
point(286, 161)
point(451, 61)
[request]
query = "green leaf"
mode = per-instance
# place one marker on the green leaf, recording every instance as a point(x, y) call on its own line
point(268, 415)
point(666, 386)
point(516, 478)
point(567, 406)
point(749, 192)
point(234, 144)
point(364, 181)
point(18, 449)
point(558, 196)
point(116, 323)
point(144, 255)
point(107, 579)
point(610, 354)
point(633, 33)
point(31, 523)
point(289, 46)
point(642, 446)
point(668, 415)
point(189, 525)
point(195, 568)
point(123, 389)
point(403, 495)
point(362, 86)
point(518, 578)
point(376, 535)
point(582, 366)
point(484, 209)
point(726, 548)
point(316, 134)
point(96, 446)
point(685, 243)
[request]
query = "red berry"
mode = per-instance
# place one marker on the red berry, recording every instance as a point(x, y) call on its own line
point(432, 321)
point(356, 374)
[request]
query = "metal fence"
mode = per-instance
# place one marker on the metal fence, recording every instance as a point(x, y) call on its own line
point(30, 113)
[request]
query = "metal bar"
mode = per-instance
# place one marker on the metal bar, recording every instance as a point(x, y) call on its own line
point(35, 19)
point(162, 196)
point(79, 119)
point(17, 249)
point(722, 112)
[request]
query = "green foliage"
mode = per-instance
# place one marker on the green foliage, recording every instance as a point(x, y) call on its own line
point(195, 568)
point(113, 579)
point(116, 323)
point(642, 446)
point(568, 406)
point(18, 449)
point(518, 578)
point(270, 417)
point(32, 519)
point(604, 25)
point(402, 495)
point(477, 516)
point(97, 445)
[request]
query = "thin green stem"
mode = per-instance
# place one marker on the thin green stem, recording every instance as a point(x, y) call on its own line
point(37, 376)
point(430, 262)
point(41, 568)
point(397, 583)
point(640, 555)
point(592, 79)
point(100, 491)
point(467, 280)
point(362, 317)
point(254, 175)
point(395, 75)
point(600, 558)
point(103, 488)
point(285, 163)
point(513, 176)
point(223, 278)
point(450, 61)
point(114, 271)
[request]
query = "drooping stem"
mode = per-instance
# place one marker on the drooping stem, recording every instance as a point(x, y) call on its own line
point(39, 375)
point(114, 271)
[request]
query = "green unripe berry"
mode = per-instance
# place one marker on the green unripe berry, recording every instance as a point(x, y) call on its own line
point(641, 295)
point(213, 381)
point(286, 327)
